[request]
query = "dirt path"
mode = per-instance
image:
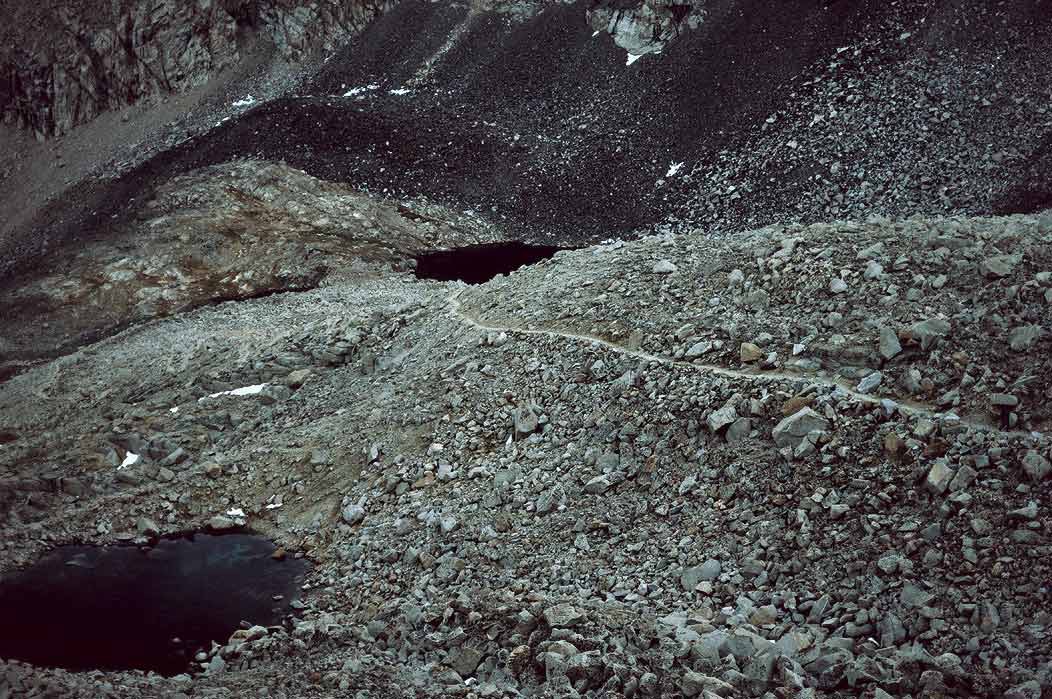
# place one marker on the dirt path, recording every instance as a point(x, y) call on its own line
point(824, 381)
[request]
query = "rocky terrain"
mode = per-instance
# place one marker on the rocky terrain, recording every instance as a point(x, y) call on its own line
point(728, 466)
point(780, 426)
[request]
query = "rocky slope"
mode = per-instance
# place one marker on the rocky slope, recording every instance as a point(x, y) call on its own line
point(706, 469)
point(749, 114)
point(779, 428)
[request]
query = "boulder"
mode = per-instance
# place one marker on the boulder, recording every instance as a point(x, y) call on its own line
point(793, 429)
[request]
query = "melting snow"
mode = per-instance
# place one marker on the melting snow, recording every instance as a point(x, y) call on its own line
point(355, 91)
point(595, 34)
point(401, 91)
point(129, 460)
point(673, 169)
point(235, 512)
point(245, 391)
point(246, 101)
point(632, 58)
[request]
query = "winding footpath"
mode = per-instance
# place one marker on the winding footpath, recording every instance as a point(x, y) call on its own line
point(822, 381)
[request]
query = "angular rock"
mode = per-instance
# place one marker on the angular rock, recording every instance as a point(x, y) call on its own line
point(564, 616)
point(721, 418)
point(888, 345)
point(939, 476)
point(750, 353)
point(795, 428)
point(929, 332)
point(1035, 465)
point(1022, 338)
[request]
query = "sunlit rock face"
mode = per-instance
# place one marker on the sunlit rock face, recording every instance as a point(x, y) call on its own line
point(646, 27)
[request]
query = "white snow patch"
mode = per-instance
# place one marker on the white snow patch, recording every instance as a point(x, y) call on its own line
point(174, 410)
point(595, 34)
point(356, 91)
point(673, 169)
point(244, 391)
point(632, 58)
point(235, 512)
point(129, 460)
point(246, 101)
point(400, 91)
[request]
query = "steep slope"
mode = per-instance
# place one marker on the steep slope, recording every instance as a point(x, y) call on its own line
point(802, 110)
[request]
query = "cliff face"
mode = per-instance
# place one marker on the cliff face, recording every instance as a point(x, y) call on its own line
point(76, 63)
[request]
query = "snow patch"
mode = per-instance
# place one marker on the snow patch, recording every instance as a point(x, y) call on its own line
point(129, 460)
point(673, 169)
point(632, 58)
point(246, 101)
point(235, 512)
point(400, 91)
point(244, 391)
point(357, 91)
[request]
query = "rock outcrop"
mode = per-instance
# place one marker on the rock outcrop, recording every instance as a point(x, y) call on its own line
point(95, 57)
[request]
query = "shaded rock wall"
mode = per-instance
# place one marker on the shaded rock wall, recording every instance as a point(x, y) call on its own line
point(62, 67)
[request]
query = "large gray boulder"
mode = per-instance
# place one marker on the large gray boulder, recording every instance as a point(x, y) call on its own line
point(793, 429)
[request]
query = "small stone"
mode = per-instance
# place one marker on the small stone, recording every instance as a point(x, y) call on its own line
point(698, 349)
point(870, 382)
point(1035, 465)
point(1027, 690)
point(220, 523)
point(352, 513)
point(795, 428)
point(939, 477)
point(526, 421)
point(466, 661)
point(1028, 513)
point(964, 477)
point(1003, 400)
point(147, 527)
point(1023, 337)
point(998, 266)
point(297, 378)
point(750, 353)
point(888, 345)
point(929, 332)
point(874, 270)
point(706, 572)
point(721, 418)
point(564, 616)
point(837, 285)
point(664, 267)
point(597, 485)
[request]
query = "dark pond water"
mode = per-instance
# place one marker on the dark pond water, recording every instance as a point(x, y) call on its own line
point(120, 607)
point(480, 263)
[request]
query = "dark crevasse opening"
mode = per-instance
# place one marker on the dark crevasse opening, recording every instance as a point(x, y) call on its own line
point(476, 264)
point(126, 607)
